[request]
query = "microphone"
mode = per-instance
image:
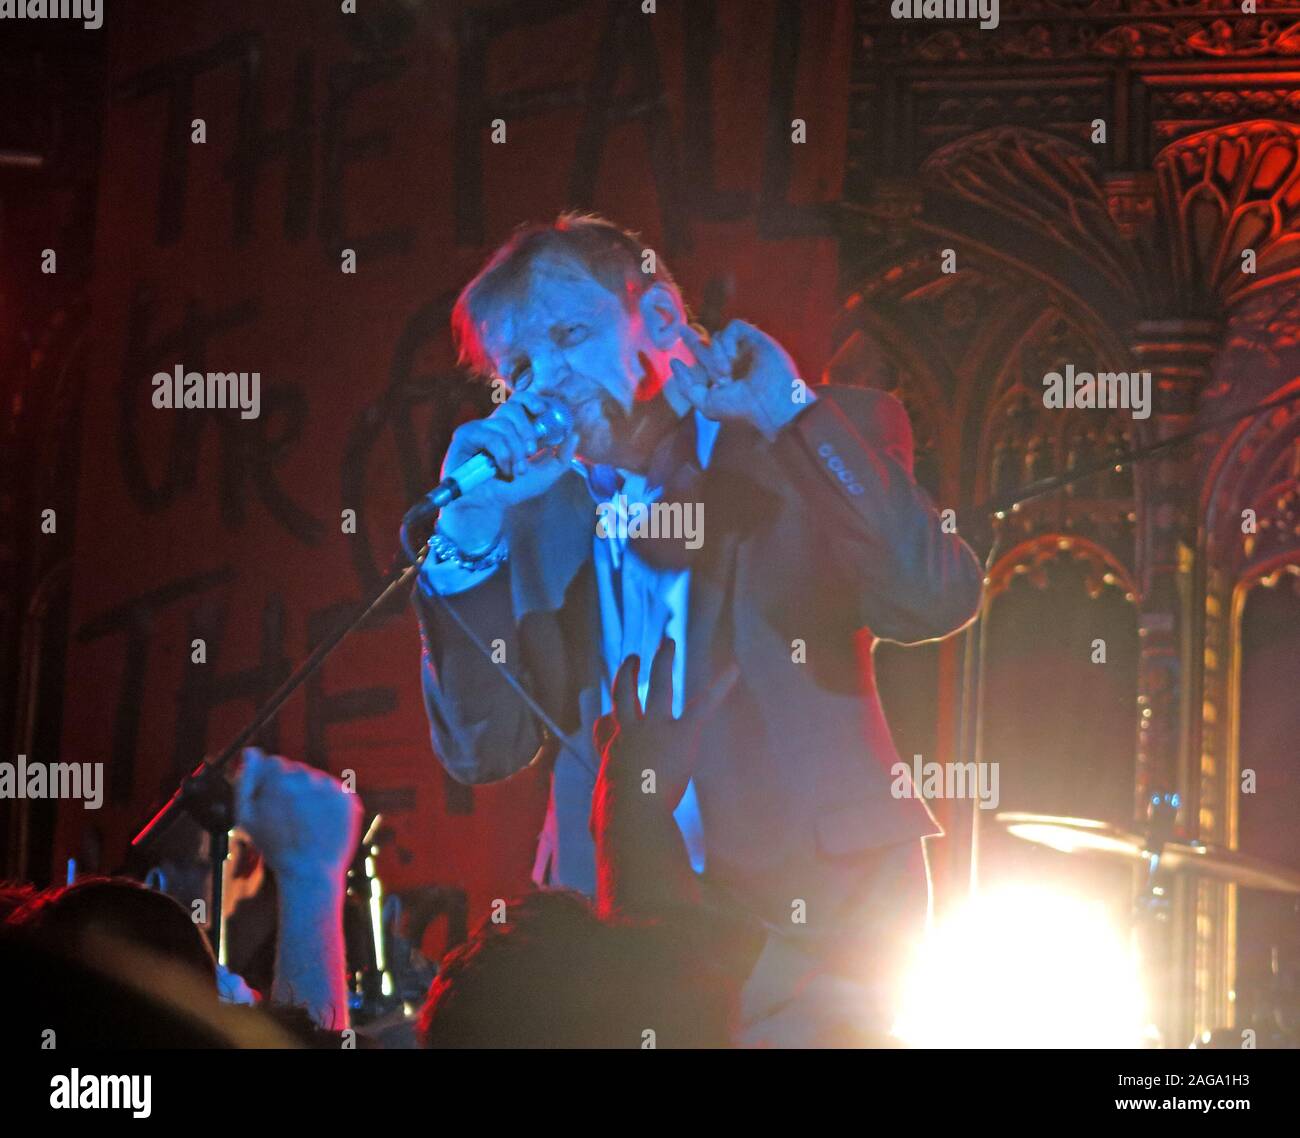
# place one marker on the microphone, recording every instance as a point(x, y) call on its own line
point(552, 426)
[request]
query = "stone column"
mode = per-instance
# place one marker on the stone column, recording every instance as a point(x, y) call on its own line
point(1179, 354)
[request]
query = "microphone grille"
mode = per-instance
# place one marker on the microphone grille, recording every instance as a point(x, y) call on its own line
point(553, 424)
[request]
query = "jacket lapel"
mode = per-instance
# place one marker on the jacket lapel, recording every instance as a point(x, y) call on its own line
point(550, 541)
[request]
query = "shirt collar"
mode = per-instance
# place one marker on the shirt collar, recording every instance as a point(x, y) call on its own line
point(690, 442)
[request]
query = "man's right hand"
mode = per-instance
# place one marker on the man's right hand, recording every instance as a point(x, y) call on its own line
point(508, 435)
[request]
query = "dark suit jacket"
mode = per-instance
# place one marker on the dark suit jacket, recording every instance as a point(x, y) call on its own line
point(821, 538)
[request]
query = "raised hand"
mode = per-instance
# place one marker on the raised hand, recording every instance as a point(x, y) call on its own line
point(307, 826)
point(632, 741)
point(647, 758)
point(743, 374)
point(302, 819)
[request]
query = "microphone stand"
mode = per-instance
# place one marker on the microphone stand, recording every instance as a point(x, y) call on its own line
point(206, 794)
point(1000, 506)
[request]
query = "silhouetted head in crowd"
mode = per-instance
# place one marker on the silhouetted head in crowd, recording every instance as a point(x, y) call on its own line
point(107, 963)
point(124, 911)
point(553, 975)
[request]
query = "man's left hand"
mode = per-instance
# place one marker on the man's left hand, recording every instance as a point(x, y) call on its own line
point(742, 374)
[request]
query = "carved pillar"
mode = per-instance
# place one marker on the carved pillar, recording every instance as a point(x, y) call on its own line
point(1178, 353)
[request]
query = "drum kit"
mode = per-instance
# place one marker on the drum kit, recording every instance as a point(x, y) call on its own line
point(1160, 856)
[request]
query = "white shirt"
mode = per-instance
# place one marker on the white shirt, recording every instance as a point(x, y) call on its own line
point(641, 605)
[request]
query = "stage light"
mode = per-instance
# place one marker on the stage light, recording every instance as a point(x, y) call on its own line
point(1024, 966)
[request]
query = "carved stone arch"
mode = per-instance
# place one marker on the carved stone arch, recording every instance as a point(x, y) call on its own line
point(1223, 191)
point(901, 329)
point(930, 338)
point(1029, 558)
point(1052, 340)
point(1045, 200)
point(1256, 466)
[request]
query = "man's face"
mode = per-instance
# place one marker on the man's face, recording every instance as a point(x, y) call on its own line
point(572, 339)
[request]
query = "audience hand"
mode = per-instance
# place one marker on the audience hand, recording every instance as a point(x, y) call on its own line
point(632, 742)
point(647, 758)
point(302, 819)
point(307, 827)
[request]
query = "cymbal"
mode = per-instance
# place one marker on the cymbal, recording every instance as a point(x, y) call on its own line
point(1086, 835)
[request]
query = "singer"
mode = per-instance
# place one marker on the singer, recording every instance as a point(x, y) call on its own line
point(817, 540)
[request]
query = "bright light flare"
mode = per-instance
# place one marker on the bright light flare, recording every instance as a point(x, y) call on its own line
point(1024, 966)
